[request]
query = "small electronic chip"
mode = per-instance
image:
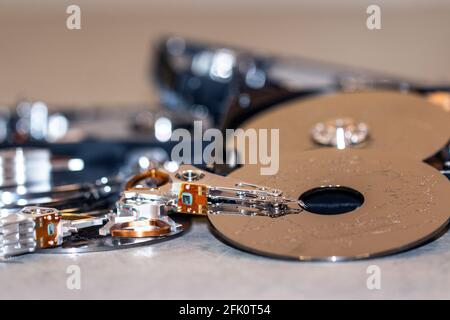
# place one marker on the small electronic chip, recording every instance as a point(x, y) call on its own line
point(48, 226)
point(192, 199)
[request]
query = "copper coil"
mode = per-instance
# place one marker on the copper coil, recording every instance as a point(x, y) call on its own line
point(127, 229)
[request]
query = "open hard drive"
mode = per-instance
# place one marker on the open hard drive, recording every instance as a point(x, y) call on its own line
point(221, 170)
point(346, 151)
point(324, 170)
point(224, 150)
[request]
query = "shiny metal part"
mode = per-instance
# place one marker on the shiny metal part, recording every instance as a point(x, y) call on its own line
point(141, 229)
point(26, 179)
point(27, 170)
point(250, 199)
point(73, 223)
point(190, 175)
point(144, 159)
point(38, 228)
point(35, 121)
point(405, 204)
point(17, 235)
point(340, 133)
point(60, 196)
point(133, 206)
point(21, 166)
point(234, 83)
point(406, 123)
point(48, 226)
point(193, 191)
point(140, 205)
point(89, 240)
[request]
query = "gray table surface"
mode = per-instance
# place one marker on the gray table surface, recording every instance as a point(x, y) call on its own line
point(199, 266)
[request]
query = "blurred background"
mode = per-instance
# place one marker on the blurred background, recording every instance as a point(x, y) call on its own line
point(107, 61)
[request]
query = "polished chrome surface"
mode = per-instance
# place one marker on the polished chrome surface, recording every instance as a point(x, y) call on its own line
point(406, 204)
point(89, 240)
point(17, 235)
point(340, 132)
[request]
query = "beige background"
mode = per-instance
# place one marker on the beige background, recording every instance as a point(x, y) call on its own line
point(106, 62)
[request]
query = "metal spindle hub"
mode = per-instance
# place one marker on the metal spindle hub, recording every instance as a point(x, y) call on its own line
point(340, 132)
